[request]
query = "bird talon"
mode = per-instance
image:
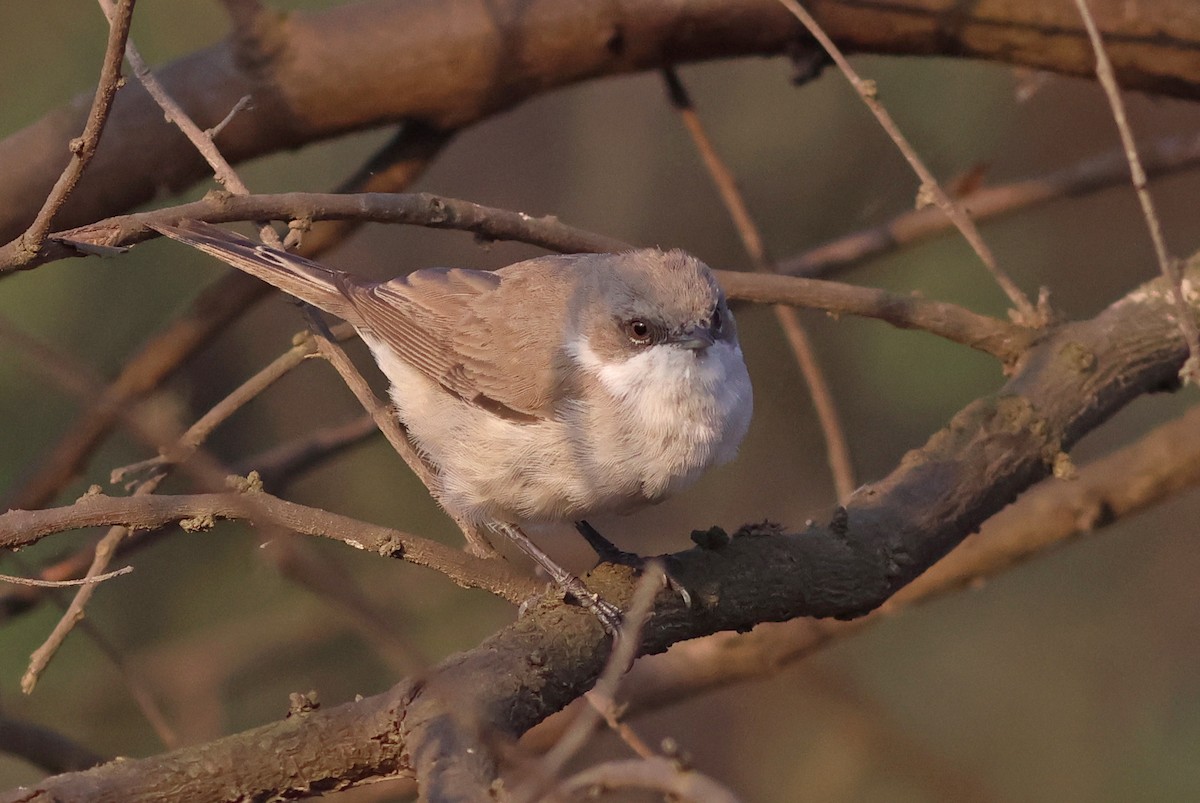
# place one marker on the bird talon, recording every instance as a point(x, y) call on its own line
point(610, 615)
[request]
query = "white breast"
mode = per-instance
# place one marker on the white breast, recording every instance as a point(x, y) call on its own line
point(660, 420)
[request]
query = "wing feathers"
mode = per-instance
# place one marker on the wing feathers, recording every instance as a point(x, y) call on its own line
point(308, 281)
point(469, 331)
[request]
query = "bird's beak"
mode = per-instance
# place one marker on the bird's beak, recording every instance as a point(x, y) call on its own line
point(694, 338)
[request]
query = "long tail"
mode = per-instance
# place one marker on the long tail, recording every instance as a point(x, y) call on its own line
point(324, 288)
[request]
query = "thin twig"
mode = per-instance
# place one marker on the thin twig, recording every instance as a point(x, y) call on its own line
point(19, 528)
point(837, 450)
point(1026, 312)
point(249, 390)
point(277, 466)
point(84, 148)
point(416, 209)
point(201, 140)
point(102, 554)
point(82, 581)
point(1003, 340)
point(391, 427)
point(388, 423)
point(664, 776)
point(1167, 264)
point(215, 131)
point(1161, 157)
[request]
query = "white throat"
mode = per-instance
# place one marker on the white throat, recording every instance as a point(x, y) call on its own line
point(674, 411)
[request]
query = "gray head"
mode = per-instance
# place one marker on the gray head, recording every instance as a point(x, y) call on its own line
point(640, 299)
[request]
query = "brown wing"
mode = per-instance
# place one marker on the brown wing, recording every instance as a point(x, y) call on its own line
point(494, 339)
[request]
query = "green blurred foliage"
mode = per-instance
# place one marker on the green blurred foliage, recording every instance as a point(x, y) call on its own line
point(1073, 678)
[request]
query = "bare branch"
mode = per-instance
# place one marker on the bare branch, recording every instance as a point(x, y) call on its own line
point(866, 90)
point(19, 528)
point(1162, 157)
point(1006, 342)
point(1167, 264)
point(91, 579)
point(314, 75)
point(602, 697)
point(84, 147)
point(655, 774)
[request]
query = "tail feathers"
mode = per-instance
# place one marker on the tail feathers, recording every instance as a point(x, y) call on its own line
point(324, 288)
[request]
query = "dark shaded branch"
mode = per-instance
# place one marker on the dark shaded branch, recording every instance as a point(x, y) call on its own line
point(1131, 480)
point(44, 748)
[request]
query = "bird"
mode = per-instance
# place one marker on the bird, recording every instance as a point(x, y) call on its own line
point(548, 391)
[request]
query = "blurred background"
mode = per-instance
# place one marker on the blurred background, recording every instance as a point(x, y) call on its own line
point(1071, 678)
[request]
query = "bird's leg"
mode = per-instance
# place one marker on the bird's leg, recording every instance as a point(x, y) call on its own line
point(608, 614)
point(608, 552)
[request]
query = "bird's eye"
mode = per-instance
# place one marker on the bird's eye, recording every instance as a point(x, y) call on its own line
point(715, 325)
point(638, 331)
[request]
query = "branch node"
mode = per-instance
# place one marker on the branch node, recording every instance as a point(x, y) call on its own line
point(713, 538)
point(301, 704)
point(198, 524)
point(249, 484)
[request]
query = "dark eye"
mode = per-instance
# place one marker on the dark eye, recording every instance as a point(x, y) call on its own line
point(638, 331)
point(716, 320)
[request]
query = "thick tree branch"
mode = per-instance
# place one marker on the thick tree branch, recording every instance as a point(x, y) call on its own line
point(318, 75)
point(887, 535)
point(1115, 488)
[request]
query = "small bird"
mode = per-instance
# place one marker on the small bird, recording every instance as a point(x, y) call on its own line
point(547, 391)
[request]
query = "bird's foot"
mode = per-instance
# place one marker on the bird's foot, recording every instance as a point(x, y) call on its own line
point(610, 615)
point(608, 552)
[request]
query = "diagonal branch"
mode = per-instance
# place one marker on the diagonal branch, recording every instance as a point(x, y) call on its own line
point(1167, 264)
point(1026, 313)
point(198, 512)
point(1162, 156)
